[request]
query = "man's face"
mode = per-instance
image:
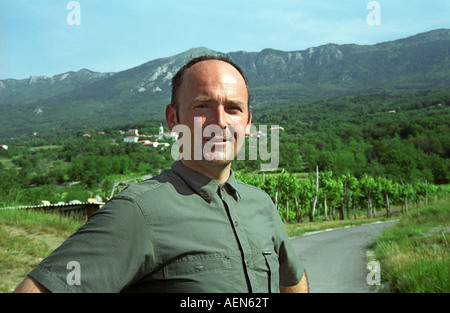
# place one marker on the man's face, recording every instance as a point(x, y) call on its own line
point(213, 104)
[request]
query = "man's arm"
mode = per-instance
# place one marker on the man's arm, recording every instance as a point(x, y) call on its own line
point(30, 285)
point(301, 287)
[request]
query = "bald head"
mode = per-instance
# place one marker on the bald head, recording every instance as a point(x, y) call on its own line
point(178, 79)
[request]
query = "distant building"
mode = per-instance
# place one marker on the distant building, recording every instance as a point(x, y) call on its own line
point(131, 139)
point(258, 134)
point(153, 144)
point(166, 135)
point(133, 132)
point(3, 147)
point(276, 127)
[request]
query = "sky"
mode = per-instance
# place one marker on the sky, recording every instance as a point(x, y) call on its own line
point(50, 37)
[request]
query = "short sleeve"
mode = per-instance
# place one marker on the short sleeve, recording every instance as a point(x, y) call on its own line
point(113, 250)
point(291, 268)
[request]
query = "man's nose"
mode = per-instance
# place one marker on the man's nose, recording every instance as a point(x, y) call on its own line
point(221, 117)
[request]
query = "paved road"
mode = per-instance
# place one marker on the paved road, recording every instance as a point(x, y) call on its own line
point(335, 260)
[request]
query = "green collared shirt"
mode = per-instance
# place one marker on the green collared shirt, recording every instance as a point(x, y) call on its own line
point(177, 232)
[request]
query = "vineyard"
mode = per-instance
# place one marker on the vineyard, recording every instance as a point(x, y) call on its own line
point(323, 196)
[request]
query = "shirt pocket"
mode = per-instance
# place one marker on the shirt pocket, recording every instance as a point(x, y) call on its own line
point(267, 271)
point(198, 273)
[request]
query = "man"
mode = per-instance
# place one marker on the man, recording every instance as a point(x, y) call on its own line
point(193, 228)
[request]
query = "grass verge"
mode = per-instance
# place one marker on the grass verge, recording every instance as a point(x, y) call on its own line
point(26, 237)
point(414, 254)
point(298, 229)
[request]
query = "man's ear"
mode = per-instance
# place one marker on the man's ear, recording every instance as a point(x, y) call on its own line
point(249, 123)
point(171, 116)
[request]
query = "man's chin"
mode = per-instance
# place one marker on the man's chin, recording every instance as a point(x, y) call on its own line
point(217, 160)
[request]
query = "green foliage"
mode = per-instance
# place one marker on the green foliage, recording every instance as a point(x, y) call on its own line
point(337, 192)
point(358, 135)
point(77, 169)
point(402, 155)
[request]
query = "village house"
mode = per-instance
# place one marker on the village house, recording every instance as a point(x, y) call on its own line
point(140, 138)
point(166, 135)
point(154, 144)
point(133, 132)
point(276, 127)
point(133, 139)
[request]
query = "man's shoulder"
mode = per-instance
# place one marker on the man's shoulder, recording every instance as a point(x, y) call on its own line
point(157, 185)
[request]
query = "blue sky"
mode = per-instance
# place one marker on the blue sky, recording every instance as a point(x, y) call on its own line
point(115, 35)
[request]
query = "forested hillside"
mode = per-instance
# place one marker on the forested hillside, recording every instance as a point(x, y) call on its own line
point(394, 135)
point(403, 137)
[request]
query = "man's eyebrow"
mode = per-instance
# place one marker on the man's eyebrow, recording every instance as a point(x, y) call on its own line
point(209, 99)
point(202, 99)
point(236, 102)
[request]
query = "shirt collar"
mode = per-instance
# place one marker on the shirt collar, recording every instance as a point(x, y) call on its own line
point(204, 186)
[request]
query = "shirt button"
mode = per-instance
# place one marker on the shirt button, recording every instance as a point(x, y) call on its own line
point(236, 223)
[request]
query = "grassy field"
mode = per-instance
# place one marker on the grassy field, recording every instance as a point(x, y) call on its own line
point(413, 255)
point(26, 237)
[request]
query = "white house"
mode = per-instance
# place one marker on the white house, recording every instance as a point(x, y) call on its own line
point(3, 147)
point(154, 144)
point(133, 132)
point(133, 139)
point(166, 135)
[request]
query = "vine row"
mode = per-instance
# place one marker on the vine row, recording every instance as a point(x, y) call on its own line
point(339, 197)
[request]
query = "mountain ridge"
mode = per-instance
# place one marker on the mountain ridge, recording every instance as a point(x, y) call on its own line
point(329, 70)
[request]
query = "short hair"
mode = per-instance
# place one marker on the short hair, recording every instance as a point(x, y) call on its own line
point(178, 78)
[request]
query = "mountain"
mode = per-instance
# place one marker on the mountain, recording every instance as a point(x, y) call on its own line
point(84, 99)
point(37, 88)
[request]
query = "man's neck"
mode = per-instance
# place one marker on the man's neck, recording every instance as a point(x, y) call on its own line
point(219, 173)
